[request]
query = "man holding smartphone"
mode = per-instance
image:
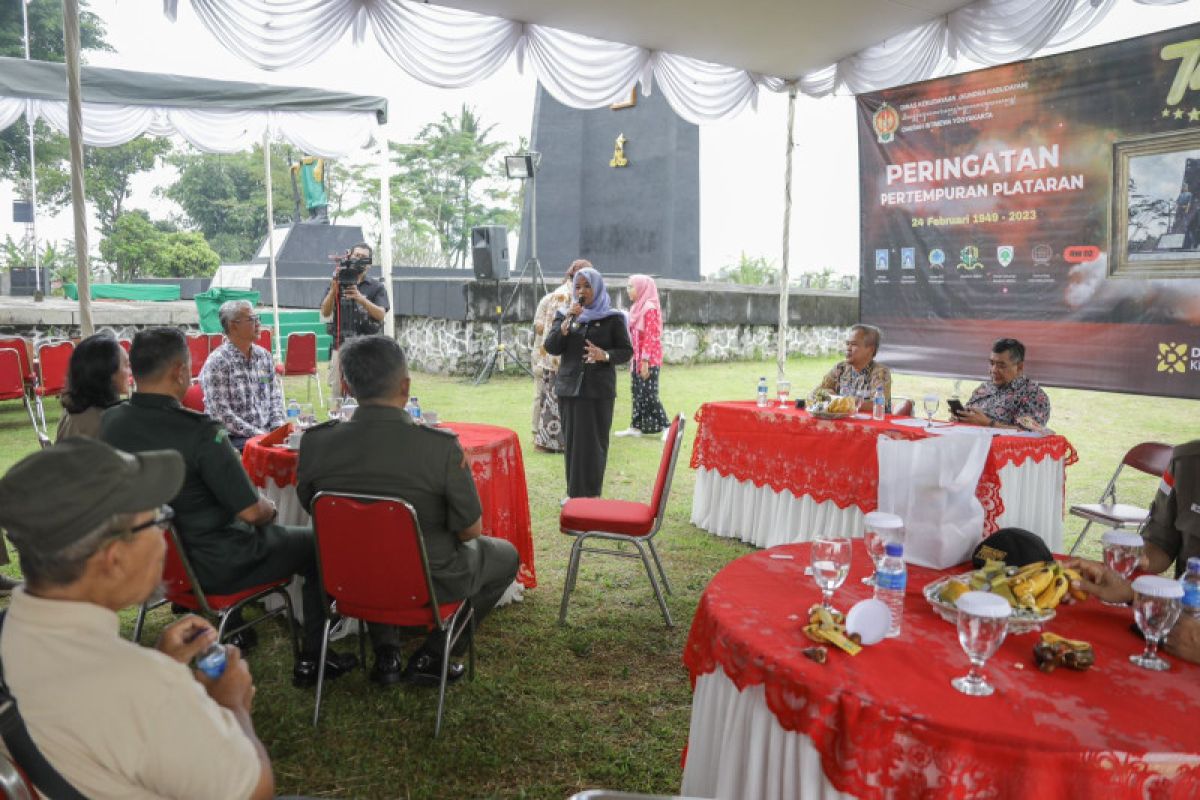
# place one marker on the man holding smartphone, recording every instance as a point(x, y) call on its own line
point(1009, 400)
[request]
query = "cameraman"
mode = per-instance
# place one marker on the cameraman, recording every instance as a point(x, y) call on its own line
point(355, 305)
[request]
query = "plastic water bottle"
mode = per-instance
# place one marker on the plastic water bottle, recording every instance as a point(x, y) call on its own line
point(211, 660)
point(762, 392)
point(293, 413)
point(1191, 588)
point(877, 409)
point(414, 408)
point(891, 579)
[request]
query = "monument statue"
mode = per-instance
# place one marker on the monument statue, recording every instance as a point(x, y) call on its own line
point(311, 172)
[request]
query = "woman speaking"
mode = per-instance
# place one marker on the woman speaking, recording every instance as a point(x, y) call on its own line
point(591, 337)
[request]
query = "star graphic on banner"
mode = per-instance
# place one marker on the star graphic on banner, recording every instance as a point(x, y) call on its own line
point(1166, 113)
point(1179, 113)
point(1193, 115)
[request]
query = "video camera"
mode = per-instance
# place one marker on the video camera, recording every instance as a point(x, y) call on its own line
point(351, 269)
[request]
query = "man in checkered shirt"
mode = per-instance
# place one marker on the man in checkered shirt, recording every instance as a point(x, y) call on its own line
point(240, 387)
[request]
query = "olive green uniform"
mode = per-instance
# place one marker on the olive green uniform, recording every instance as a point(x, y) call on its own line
point(1174, 524)
point(227, 554)
point(381, 451)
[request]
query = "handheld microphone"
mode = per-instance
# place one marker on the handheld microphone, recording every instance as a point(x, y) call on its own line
point(570, 318)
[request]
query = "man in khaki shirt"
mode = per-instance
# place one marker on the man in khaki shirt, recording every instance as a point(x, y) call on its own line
point(114, 719)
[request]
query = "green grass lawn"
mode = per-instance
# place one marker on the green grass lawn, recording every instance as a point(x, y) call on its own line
point(603, 701)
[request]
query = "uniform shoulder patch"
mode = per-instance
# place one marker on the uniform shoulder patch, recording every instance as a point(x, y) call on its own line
point(1188, 449)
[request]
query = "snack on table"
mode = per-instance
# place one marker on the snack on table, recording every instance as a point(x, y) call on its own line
point(830, 626)
point(1053, 650)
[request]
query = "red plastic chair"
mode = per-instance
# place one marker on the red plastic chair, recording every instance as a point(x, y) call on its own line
point(52, 363)
point(264, 340)
point(393, 586)
point(24, 352)
point(194, 398)
point(215, 340)
point(198, 348)
point(12, 387)
point(181, 587)
point(1151, 458)
point(623, 521)
point(126, 344)
point(301, 359)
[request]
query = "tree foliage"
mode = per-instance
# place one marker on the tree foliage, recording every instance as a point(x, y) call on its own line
point(224, 196)
point(138, 248)
point(750, 271)
point(450, 180)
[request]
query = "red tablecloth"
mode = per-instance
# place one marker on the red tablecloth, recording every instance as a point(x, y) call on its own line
point(887, 723)
point(494, 454)
point(834, 460)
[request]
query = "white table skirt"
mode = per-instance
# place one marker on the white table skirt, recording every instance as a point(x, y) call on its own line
point(737, 749)
point(1032, 495)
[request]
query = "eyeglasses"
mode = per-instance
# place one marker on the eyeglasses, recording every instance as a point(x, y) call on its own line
point(254, 318)
point(165, 514)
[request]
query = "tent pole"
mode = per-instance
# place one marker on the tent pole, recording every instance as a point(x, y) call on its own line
point(37, 256)
point(75, 121)
point(266, 144)
point(781, 345)
point(385, 221)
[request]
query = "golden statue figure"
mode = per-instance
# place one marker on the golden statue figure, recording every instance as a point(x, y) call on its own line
point(619, 159)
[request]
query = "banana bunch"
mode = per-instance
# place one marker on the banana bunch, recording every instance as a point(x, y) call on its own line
point(825, 626)
point(1040, 586)
point(840, 405)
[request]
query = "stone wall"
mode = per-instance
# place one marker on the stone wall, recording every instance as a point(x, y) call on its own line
point(461, 348)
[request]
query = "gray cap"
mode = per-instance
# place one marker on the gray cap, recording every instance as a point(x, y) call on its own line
point(55, 497)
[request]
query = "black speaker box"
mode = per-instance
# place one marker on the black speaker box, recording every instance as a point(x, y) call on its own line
point(489, 252)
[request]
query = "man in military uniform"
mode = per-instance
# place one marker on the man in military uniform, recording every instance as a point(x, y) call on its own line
point(382, 451)
point(1172, 535)
point(224, 525)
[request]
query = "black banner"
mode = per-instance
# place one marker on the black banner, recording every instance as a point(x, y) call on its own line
point(1056, 201)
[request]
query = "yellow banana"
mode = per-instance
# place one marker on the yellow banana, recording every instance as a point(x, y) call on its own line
point(1052, 595)
point(1033, 584)
point(1073, 575)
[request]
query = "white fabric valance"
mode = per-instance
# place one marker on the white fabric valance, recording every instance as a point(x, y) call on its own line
point(452, 48)
point(332, 134)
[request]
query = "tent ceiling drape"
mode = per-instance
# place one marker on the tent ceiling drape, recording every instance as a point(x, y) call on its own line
point(602, 50)
point(214, 116)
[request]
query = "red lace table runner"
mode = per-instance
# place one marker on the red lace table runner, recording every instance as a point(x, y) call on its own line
point(494, 454)
point(834, 460)
point(887, 723)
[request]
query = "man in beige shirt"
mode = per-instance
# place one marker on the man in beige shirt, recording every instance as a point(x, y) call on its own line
point(112, 718)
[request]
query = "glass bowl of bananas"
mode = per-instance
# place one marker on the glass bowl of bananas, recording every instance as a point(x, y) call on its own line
point(825, 405)
point(1034, 591)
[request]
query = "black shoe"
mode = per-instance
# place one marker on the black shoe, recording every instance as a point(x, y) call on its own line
point(389, 666)
point(245, 640)
point(304, 674)
point(425, 669)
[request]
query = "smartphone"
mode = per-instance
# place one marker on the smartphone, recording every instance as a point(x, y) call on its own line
point(956, 406)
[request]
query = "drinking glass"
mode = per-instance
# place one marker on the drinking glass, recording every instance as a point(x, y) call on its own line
point(1156, 606)
point(830, 565)
point(879, 528)
point(861, 395)
point(982, 625)
point(308, 417)
point(349, 406)
point(1122, 552)
point(930, 404)
point(784, 391)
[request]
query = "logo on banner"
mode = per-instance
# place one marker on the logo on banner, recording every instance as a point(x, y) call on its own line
point(1004, 254)
point(908, 258)
point(1172, 357)
point(1042, 254)
point(1081, 254)
point(881, 259)
point(937, 257)
point(885, 121)
point(969, 258)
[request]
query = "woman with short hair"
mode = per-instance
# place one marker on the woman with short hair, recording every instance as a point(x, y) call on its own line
point(97, 377)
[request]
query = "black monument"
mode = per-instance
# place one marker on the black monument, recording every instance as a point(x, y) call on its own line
point(618, 186)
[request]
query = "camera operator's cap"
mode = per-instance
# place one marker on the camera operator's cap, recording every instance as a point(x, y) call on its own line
point(55, 497)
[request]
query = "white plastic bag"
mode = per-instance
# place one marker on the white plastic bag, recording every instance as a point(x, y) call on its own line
point(931, 484)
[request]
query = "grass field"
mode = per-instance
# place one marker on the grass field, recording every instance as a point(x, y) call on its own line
point(603, 701)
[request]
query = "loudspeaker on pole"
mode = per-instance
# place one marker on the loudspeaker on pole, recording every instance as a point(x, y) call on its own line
point(489, 252)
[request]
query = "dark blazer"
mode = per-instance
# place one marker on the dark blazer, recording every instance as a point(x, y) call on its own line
point(579, 379)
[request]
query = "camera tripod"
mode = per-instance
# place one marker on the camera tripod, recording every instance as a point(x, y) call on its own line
point(537, 281)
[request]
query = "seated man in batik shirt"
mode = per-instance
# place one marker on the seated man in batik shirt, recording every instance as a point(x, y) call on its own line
point(1010, 400)
point(240, 388)
point(860, 374)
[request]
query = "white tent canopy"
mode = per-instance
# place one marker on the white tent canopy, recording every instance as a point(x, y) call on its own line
point(599, 51)
point(216, 116)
